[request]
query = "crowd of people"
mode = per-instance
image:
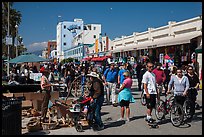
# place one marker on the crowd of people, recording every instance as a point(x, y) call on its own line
point(112, 83)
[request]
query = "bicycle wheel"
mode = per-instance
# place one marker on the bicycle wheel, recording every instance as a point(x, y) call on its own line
point(76, 86)
point(160, 110)
point(177, 115)
point(142, 99)
point(188, 109)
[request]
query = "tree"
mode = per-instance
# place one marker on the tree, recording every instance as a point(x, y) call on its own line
point(14, 19)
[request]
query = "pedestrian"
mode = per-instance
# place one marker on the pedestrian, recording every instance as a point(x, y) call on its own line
point(143, 70)
point(160, 77)
point(121, 77)
point(110, 81)
point(194, 84)
point(97, 97)
point(46, 89)
point(167, 74)
point(150, 91)
point(181, 86)
point(125, 96)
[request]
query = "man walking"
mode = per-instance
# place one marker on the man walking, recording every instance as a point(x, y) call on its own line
point(150, 90)
point(110, 80)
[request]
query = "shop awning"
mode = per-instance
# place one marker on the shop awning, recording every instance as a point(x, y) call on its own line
point(198, 49)
point(177, 40)
point(86, 59)
point(99, 58)
point(160, 43)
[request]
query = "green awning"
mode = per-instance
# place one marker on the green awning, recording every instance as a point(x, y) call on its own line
point(27, 57)
point(198, 49)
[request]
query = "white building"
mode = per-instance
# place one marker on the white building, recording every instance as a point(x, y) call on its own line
point(177, 39)
point(73, 36)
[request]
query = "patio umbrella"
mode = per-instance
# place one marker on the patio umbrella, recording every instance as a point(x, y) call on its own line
point(27, 57)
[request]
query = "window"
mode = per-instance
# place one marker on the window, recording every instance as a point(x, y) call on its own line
point(64, 26)
point(94, 36)
point(65, 43)
point(94, 28)
point(64, 35)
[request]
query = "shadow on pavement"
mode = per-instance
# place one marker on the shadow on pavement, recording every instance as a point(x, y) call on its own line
point(42, 132)
point(137, 117)
point(115, 124)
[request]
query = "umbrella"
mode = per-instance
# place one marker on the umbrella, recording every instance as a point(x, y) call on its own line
point(27, 57)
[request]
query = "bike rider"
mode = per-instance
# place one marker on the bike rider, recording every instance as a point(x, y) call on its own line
point(181, 86)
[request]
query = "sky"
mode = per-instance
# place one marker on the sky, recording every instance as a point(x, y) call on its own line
point(39, 19)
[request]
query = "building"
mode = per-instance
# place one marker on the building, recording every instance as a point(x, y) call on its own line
point(74, 37)
point(51, 45)
point(177, 40)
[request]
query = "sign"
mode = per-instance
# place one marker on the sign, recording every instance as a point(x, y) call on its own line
point(8, 40)
point(36, 76)
point(161, 58)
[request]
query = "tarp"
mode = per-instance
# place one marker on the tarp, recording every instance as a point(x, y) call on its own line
point(27, 57)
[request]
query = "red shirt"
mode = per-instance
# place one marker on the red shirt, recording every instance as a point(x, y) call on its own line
point(160, 75)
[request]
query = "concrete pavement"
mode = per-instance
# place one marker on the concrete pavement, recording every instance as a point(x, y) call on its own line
point(136, 126)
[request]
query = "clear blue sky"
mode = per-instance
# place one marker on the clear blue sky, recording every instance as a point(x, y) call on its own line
point(39, 19)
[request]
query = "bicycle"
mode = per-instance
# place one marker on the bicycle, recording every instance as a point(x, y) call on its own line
point(76, 87)
point(142, 98)
point(188, 105)
point(169, 106)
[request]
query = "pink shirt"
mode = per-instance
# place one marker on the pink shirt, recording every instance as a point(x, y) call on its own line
point(128, 82)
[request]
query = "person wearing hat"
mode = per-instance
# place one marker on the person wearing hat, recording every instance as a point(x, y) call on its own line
point(121, 77)
point(46, 89)
point(97, 97)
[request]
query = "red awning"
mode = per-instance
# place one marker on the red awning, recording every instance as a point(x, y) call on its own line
point(99, 58)
point(86, 59)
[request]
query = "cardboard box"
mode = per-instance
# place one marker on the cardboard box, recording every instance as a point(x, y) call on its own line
point(27, 104)
point(9, 95)
point(37, 104)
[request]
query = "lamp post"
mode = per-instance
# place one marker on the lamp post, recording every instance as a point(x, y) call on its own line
point(8, 44)
point(16, 40)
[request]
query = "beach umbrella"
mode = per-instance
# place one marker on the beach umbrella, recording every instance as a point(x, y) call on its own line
point(27, 57)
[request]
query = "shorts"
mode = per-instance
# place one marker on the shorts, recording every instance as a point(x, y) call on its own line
point(124, 103)
point(151, 102)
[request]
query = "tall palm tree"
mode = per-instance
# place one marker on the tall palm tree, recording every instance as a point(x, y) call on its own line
point(14, 19)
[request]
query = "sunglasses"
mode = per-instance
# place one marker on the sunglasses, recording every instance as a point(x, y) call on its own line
point(150, 66)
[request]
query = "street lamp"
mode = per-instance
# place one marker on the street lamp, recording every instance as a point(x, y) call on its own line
point(16, 40)
point(7, 43)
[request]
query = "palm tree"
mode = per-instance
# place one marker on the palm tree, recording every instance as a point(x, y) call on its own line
point(14, 19)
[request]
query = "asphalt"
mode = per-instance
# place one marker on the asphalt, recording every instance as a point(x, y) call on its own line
point(136, 126)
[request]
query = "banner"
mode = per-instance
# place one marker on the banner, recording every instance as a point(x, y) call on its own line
point(96, 46)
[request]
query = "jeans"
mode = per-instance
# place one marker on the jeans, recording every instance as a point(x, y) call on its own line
point(98, 103)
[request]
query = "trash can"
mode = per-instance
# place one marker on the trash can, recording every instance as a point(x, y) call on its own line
point(11, 117)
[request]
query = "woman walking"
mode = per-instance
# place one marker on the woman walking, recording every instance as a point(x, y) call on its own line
point(125, 96)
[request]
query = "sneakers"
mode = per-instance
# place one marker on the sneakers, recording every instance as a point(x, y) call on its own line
point(115, 104)
point(120, 119)
point(128, 119)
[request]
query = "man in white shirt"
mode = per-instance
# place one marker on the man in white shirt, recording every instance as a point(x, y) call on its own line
point(150, 90)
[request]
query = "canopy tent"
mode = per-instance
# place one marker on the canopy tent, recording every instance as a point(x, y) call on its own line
point(27, 57)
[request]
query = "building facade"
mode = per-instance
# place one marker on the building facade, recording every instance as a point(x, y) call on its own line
point(177, 40)
point(72, 38)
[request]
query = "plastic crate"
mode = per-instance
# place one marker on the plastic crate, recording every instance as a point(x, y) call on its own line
point(11, 117)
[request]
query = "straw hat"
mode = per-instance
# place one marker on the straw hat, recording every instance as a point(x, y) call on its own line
point(93, 74)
